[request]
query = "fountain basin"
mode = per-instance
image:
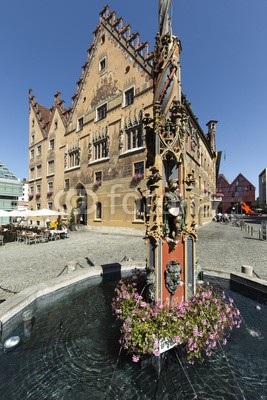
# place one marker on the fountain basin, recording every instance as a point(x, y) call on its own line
point(73, 353)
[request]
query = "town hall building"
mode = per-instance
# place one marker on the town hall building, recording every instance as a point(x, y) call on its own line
point(91, 156)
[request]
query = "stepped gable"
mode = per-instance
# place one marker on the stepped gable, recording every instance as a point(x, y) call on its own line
point(45, 115)
point(131, 41)
point(122, 34)
point(42, 114)
point(59, 105)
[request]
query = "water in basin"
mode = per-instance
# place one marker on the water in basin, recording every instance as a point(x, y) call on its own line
point(73, 353)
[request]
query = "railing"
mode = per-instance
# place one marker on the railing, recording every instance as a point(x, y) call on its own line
point(260, 233)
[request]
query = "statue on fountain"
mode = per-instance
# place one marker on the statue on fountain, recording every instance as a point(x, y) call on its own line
point(175, 212)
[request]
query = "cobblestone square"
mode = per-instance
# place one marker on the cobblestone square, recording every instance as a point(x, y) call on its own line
point(220, 247)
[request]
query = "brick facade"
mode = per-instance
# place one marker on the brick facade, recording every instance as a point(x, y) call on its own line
point(240, 190)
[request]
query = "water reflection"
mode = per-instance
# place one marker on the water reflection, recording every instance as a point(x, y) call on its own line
point(73, 353)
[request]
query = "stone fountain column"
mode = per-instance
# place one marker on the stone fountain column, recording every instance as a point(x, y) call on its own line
point(170, 226)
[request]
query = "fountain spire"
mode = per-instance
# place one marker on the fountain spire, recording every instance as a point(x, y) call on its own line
point(170, 239)
point(166, 68)
point(164, 17)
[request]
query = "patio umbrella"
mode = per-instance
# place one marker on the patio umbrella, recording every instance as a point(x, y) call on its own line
point(4, 213)
point(45, 212)
point(22, 213)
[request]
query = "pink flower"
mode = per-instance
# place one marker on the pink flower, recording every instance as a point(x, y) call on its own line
point(212, 336)
point(135, 358)
point(195, 331)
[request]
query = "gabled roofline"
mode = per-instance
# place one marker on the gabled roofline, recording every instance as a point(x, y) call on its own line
point(222, 176)
point(45, 115)
point(130, 41)
point(41, 113)
point(244, 178)
point(123, 35)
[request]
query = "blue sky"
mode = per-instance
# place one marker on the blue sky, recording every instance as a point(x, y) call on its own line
point(43, 46)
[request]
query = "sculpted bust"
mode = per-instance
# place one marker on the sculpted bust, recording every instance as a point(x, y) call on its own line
point(172, 276)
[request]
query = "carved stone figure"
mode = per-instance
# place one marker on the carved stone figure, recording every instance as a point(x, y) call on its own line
point(172, 276)
point(175, 212)
point(151, 283)
point(155, 176)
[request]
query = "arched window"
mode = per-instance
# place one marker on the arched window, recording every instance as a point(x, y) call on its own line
point(98, 210)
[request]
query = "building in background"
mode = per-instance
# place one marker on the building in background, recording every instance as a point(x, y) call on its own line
point(91, 157)
point(263, 188)
point(235, 193)
point(23, 200)
point(10, 190)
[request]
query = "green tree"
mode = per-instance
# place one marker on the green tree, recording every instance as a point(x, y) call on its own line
point(72, 217)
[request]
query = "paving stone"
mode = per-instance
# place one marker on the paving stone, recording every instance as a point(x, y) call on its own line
point(224, 247)
point(219, 247)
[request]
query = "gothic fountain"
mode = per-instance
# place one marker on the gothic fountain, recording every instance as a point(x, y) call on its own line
point(68, 346)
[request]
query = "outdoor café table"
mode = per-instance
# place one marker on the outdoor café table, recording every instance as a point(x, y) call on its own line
point(32, 238)
point(62, 233)
point(21, 236)
point(53, 235)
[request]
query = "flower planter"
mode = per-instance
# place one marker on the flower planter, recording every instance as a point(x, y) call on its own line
point(96, 185)
point(166, 344)
point(200, 324)
point(136, 179)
